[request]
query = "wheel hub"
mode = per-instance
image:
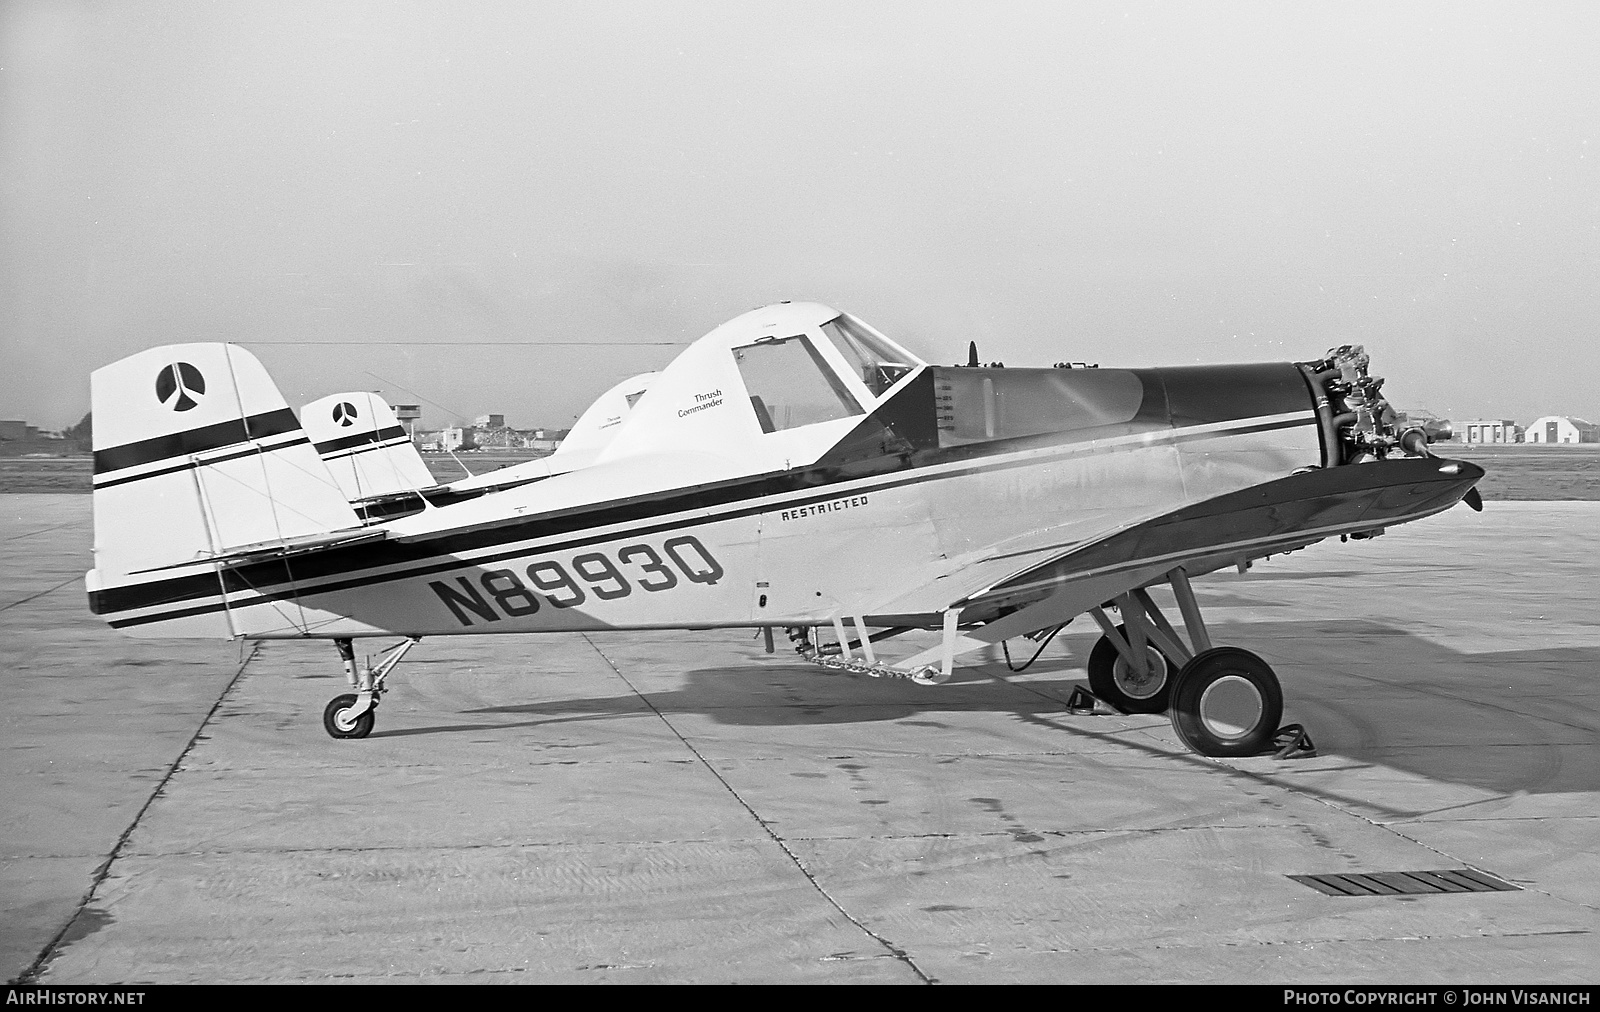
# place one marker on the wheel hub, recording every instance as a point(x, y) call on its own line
point(1141, 684)
point(1231, 707)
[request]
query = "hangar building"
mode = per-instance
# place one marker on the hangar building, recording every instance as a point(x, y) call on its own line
point(1562, 429)
point(1491, 430)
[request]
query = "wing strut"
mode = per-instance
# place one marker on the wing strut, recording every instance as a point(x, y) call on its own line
point(947, 643)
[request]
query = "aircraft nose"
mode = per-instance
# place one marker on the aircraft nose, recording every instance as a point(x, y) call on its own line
point(1470, 474)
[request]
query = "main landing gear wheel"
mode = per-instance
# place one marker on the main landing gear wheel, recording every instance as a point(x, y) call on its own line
point(1226, 702)
point(337, 722)
point(1113, 679)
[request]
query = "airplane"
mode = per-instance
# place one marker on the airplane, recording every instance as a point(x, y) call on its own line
point(382, 476)
point(792, 469)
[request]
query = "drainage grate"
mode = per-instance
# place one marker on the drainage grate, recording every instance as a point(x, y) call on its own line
point(1406, 883)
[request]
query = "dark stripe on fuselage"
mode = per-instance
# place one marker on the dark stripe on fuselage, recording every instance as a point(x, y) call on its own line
point(248, 451)
point(1204, 394)
point(197, 440)
point(345, 442)
point(818, 484)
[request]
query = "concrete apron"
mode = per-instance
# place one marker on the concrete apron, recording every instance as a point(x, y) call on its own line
point(660, 807)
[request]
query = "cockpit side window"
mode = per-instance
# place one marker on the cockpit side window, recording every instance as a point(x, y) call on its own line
point(877, 363)
point(790, 385)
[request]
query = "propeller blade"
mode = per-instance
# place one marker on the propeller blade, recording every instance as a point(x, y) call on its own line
point(1473, 499)
point(972, 354)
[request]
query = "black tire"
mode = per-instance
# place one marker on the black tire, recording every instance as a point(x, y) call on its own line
point(1111, 679)
point(1226, 702)
point(334, 723)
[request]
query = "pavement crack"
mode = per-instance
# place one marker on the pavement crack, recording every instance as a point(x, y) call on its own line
point(31, 974)
point(891, 949)
point(42, 530)
point(31, 597)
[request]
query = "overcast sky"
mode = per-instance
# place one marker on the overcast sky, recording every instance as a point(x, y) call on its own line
point(1130, 183)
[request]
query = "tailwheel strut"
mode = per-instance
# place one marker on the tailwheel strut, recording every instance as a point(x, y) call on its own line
point(351, 714)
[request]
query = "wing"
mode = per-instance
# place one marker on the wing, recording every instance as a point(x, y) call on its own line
point(1266, 519)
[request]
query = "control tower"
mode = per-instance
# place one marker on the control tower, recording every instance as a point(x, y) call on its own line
point(409, 415)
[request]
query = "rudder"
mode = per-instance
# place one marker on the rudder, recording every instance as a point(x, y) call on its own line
point(196, 454)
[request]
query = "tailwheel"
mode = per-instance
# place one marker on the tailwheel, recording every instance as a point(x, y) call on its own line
point(1226, 702)
point(1116, 681)
point(340, 719)
point(351, 715)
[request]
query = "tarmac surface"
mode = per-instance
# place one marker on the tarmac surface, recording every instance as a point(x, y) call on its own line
point(666, 807)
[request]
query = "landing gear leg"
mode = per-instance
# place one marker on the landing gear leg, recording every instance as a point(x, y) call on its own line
point(1225, 701)
point(1133, 664)
point(351, 715)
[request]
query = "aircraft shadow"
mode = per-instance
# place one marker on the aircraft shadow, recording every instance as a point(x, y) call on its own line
point(1503, 721)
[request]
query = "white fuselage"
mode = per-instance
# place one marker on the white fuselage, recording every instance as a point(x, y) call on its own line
point(906, 541)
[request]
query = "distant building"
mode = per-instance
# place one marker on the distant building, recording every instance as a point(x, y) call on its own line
point(1491, 430)
point(1562, 429)
point(14, 430)
point(452, 437)
point(489, 422)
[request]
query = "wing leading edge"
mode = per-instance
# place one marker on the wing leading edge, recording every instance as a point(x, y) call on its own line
point(1234, 528)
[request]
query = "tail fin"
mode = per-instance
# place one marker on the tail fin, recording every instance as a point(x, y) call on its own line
point(595, 428)
point(197, 454)
point(590, 434)
point(364, 446)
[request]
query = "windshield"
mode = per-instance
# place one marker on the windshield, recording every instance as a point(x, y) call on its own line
point(877, 363)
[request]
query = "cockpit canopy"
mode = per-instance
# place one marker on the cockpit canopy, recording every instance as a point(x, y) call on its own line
point(791, 383)
point(770, 390)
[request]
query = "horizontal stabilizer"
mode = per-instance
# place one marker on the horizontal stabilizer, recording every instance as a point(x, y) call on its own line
point(246, 554)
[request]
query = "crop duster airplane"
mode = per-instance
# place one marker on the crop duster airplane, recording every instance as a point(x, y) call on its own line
point(793, 468)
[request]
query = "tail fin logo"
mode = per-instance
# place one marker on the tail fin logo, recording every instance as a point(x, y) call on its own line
point(344, 413)
point(180, 386)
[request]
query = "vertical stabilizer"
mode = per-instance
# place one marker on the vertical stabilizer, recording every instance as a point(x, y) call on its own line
point(366, 449)
point(197, 454)
point(600, 423)
point(590, 434)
